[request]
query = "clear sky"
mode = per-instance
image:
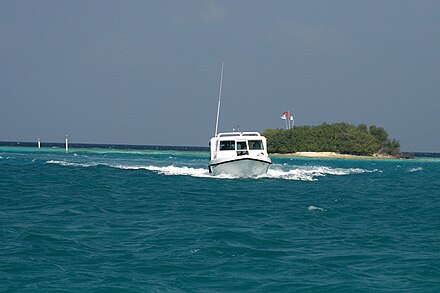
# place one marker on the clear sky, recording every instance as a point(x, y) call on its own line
point(147, 72)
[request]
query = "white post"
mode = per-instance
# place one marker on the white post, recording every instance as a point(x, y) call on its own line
point(67, 145)
point(39, 143)
point(288, 119)
point(219, 99)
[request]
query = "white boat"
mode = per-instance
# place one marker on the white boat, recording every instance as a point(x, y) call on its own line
point(240, 154)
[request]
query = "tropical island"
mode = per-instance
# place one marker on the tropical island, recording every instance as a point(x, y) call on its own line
point(332, 140)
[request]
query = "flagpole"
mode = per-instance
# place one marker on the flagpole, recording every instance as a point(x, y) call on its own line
point(288, 118)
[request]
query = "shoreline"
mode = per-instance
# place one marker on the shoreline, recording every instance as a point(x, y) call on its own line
point(332, 155)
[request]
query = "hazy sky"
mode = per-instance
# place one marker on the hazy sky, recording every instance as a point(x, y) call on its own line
point(147, 72)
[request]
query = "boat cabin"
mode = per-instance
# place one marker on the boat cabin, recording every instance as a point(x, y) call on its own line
point(234, 144)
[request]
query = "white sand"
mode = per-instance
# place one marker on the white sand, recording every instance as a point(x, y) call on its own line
point(332, 155)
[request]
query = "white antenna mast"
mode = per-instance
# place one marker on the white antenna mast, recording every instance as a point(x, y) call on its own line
point(219, 100)
point(67, 145)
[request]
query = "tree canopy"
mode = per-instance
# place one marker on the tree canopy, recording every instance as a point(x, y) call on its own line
point(339, 137)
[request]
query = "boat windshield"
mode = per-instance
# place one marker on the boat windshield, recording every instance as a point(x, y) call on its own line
point(241, 145)
point(242, 148)
point(227, 145)
point(255, 145)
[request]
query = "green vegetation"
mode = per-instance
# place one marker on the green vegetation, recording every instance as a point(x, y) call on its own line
point(339, 137)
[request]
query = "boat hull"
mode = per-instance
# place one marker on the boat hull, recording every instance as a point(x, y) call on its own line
point(240, 167)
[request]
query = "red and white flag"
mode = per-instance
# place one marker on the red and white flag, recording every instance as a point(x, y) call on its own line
point(285, 115)
point(291, 118)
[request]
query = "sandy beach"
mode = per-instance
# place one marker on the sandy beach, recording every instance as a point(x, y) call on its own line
point(332, 155)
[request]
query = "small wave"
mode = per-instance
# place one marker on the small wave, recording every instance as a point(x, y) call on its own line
point(313, 208)
point(415, 169)
point(127, 167)
point(64, 163)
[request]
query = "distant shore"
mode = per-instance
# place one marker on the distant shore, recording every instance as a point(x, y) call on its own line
point(333, 155)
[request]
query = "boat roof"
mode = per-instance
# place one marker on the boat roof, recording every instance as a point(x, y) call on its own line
point(238, 134)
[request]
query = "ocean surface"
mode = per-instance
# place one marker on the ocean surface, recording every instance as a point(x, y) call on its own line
point(154, 220)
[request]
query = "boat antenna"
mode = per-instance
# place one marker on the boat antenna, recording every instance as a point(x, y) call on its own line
point(219, 99)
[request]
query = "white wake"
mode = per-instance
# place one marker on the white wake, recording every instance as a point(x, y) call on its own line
point(301, 173)
point(310, 173)
point(169, 170)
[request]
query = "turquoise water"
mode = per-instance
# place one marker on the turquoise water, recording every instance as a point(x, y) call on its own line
point(100, 220)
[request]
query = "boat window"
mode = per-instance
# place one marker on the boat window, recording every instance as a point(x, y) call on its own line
point(241, 145)
point(227, 145)
point(242, 148)
point(255, 145)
